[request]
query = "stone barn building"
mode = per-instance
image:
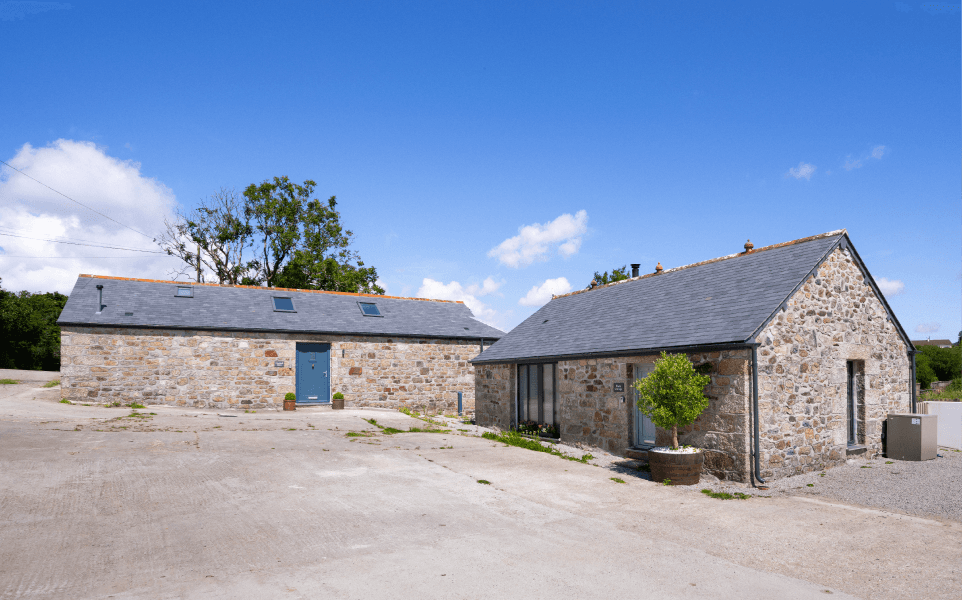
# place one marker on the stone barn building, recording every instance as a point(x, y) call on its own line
point(223, 346)
point(805, 356)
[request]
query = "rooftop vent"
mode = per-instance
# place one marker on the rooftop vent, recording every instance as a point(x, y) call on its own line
point(748, 246)
point(634, 269)
point(593, 285)
point(658, 268)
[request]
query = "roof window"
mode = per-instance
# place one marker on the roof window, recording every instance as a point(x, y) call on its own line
point(185, 292)
point(369, 309)
point(283, 304)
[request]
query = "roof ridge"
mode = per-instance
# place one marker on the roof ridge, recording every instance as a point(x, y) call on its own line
point(257, 287)
point(712, 260)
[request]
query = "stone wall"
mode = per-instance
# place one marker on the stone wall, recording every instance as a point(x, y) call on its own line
point(835, 317)
point(495, 393)
point(236, 369)
point(592, 414)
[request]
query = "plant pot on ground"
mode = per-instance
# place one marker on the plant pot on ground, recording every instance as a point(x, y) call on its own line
point(337, 401)
point(290, 401)
point(672, 396)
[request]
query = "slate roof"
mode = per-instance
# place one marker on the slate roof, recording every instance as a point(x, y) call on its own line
point(245, 308)
point(716, 302)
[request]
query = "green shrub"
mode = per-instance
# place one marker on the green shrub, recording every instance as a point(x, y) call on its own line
point(672, 396)
point(338, 396)
point(289, 396)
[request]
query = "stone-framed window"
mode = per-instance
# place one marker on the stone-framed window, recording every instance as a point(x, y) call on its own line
point(537, 393)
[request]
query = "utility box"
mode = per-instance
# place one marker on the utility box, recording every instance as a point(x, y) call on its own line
point(911, 437)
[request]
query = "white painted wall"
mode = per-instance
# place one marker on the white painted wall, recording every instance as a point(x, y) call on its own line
point(950, 421)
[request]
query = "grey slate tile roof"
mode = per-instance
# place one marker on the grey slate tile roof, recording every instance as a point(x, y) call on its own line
point(237, 308)
point(717, 302)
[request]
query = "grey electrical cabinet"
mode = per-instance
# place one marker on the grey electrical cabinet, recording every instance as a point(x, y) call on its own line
point(911, 437)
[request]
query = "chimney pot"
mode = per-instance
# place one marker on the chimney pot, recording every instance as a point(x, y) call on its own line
point(634, 269)
point(594, 284)
point(659, 268)
point(748, 246)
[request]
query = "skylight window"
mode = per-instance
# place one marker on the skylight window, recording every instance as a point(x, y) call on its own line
point(185, 292)
point(282, 304)
point(369, 309)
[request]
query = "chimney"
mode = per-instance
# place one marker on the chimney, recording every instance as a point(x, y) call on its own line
point(634, 269)
point(593, 285)
point(100, 298)
point(659, 269)
point(748, 246)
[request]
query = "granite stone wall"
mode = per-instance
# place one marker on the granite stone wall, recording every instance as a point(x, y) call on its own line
point(593, 414)
point(236, 369)
point(834, 318)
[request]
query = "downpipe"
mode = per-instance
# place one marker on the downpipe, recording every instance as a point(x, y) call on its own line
point(756, 455)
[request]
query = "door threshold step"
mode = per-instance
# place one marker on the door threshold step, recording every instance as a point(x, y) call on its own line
point(637, 453)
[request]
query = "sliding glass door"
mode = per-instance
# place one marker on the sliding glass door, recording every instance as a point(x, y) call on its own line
point(537, 400)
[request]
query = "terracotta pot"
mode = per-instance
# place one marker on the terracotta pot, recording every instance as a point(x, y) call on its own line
point(289, 405)
point(678, 468)
point(337, 404)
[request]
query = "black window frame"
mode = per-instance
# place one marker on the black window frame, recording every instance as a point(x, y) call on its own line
point(521, 396)
point(293, 308)
point(360, 305)
point(190, 291)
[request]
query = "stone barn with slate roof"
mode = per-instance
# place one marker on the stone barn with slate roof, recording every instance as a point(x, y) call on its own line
point(208, 345)
point(805, 356)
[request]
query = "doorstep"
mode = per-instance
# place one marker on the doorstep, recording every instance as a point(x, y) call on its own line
point(855, 450)
point(314, 406)
point(637, 453)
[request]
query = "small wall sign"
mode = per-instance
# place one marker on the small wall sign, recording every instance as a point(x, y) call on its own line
point(278, 363)
point(619, 387)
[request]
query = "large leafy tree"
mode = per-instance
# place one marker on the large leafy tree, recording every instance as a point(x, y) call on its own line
point(276, 235)
point(29, 335)
point(938, 364)
point(672, 396)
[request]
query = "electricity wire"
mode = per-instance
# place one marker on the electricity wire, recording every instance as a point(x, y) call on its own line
point(80, 244)
point(80, 203)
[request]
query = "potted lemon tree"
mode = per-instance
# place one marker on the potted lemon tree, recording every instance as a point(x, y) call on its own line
point(672, 397)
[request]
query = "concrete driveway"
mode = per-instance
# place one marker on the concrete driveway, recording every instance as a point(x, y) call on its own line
point(188, 504)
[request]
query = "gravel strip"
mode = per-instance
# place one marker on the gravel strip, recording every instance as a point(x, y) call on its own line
point(930, 488)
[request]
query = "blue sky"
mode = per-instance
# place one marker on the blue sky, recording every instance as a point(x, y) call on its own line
point(614, 132)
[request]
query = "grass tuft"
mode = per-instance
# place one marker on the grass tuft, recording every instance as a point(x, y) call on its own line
point(617, 479)
point(51, 384)
point(513, 438)
point(136, 405)
point(725, 495)
point(359, 434)
point(484, 482)
point(8, 381)
point(65, 401)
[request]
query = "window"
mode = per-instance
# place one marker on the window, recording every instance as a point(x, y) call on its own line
point(537, 400)
point(185, 292)
point(283, 304)
point(369, 309)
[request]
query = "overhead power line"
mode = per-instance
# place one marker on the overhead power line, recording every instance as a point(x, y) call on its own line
point(64, 257)
point(59, 238)
point(80, 203)
point(80, 244)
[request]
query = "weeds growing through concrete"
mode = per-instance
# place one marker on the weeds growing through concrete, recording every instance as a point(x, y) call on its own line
point(617, 479)
point(65, 401)
point(359, 434)
point(9, 381)
point(725, 495)
point(513, 438)
point(51, 384)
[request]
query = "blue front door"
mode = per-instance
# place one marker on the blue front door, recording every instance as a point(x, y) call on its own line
point(313, 373)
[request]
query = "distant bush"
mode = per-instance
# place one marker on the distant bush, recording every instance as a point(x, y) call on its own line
point(29, 336)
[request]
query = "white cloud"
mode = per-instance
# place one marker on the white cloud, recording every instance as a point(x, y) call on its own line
point(856, 163)
point(87, 174)
point(541, 294)
point(927, 327)
point(488, 286)
point(852, 164)
point(890, 287)
point(878, 151)
point(803, 171)
point(455, 291)
point(533, 241)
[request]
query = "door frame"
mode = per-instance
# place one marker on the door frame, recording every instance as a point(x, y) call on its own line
point(297, 374)
point(639, 417)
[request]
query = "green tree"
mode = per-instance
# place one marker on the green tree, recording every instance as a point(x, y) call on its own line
point(616, 275)
point(672, 396)
point(29, 335)
point(924, 374)
point(937, 364)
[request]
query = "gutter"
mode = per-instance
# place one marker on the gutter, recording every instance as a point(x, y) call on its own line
point(756, 455)
point(530, 360)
